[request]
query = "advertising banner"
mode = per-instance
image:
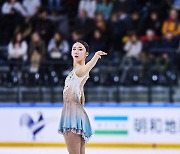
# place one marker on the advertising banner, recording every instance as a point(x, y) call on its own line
point(110, 123)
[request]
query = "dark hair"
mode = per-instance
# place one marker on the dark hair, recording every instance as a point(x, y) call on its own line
point(84, 44)
point(14, 40)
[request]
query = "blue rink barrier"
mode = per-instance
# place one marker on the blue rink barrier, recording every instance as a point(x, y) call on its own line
point(89, 105)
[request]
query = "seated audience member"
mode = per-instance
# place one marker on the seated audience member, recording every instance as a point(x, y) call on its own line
point(58, 47)
point(166, 46)
point(31, 6)
point(13, 5)
point(89, 6)
point(17, 52)
point(84, 24)
point(58, 50)
point(25, 29)
point(44, 26)
point(153, 22)
point(75, 36)
point(125, 19)
point(17, 48)
point(168, 41)
point(117, 31)
point(149, 40)
point(36, 52)
point(133, 49)
point(96, 43)
point(101, 25)
point(61, 22)
point(105, 7)
point(171, 24)
point(136, 22)
point(12, 15)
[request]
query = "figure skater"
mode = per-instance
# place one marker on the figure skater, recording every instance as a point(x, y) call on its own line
point(74, 122)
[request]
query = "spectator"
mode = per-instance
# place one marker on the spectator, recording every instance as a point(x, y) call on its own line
point(96, 29)
point(166, 46)
point(150, 42)
point(171, 24)
point(89, 6)
point(97, 42)
point(11, 17)
point(150, 36)
point(153, 22)
point(25, 29)
point(58, 47)
point(61, 22)
point(36, 52)
point(136, 22)
point(126, 21)
point(7, 27)
point(44, 26)
point(133, 49)
point(35, 62)
point(75, 36)
point(13, 5)
point(104, 7)
point(99, 17)
point(58, 50)
point(31, 6)
point(116, 32)
point(168, 41)
point(162, 58)
point(84, 24)
point(101, 25)
point(17, 48)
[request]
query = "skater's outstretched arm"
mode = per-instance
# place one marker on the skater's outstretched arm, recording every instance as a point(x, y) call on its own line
point(87, 68)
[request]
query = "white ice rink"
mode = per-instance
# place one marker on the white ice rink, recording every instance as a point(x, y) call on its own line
point(88, 151)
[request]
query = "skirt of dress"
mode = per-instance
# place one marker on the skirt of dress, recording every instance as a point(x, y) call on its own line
point(75, 119)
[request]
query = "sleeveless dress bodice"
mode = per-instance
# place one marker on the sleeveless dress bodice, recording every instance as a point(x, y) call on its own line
point(73, 117)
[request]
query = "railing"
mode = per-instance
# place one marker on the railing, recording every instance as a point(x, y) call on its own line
point(15, 77)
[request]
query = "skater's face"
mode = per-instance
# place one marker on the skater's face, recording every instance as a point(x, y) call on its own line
point(79, 52)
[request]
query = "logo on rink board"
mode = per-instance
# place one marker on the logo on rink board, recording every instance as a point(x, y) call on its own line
point(34, 126)
point(111, 125)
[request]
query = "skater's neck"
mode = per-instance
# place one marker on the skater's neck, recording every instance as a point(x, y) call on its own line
point(78, 64)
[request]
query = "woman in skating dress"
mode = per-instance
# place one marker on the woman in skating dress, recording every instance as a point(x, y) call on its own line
point(74, 122)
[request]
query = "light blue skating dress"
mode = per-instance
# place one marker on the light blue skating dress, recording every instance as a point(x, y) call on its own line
point(73, 116)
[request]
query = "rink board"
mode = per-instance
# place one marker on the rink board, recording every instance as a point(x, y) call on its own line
point(114, 125)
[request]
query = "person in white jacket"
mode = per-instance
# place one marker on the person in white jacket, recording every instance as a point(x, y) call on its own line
point(89, 6)
point(133, 49)
point(31, 6)
point(58, 50)
point(13, 4)
point(17, 48)
point(58, 47)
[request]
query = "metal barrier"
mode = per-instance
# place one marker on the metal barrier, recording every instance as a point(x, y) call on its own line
point(16, 77)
